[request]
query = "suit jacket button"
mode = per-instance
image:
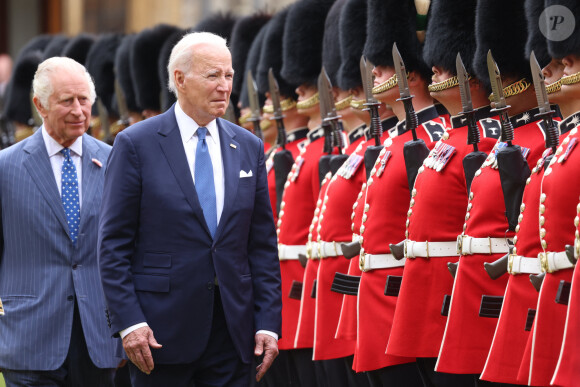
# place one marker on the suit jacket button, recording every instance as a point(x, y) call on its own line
point(70, 298)
point(209, 286)
point(75, 266)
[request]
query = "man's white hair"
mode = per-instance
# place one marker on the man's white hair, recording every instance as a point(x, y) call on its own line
point(182, 54)
point(42, 84)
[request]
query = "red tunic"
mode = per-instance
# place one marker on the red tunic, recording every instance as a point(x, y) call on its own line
point(297, 207)
point(468, 336)
point(335, 226)
point(347, 324)
point(509, 341)
point(568, 368)
point(436, 214)
point(305, 324)
point(387, 201)
point(295, 143)
point(558, 209)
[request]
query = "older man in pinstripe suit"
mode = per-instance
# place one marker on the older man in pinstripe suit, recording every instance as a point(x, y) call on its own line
point(54, 331)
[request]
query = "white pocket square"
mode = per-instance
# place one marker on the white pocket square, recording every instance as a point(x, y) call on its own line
point(245, 174)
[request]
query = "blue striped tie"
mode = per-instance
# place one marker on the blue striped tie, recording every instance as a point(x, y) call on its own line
point(70, 195)
point(204, 184)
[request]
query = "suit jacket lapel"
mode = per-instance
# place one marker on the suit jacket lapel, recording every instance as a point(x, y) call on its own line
point(172, 147)
point(38, 165)
point(90, 176)
point(231, 165)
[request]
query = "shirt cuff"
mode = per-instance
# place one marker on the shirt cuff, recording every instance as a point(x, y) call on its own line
point(269, 333)
point(126, 331)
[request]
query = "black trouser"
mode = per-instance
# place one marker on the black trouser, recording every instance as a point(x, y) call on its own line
point(77, 370)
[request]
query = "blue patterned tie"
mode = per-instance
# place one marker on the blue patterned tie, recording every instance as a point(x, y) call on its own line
point(204, 184)
point(70, 195)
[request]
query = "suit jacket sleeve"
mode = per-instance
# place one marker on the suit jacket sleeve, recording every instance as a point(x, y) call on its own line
point(263, 257)
point(118, 225)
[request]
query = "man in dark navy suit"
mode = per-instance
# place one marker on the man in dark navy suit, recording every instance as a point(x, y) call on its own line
point(187, 243)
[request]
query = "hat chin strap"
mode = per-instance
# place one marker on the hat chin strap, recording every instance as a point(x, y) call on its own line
point(444, 85)
point(386, 85)
point(570, 79)
point(513, 89)
point(554, 87)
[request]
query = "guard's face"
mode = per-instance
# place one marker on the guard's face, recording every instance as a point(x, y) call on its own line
point(68, 113)
point(205, 90)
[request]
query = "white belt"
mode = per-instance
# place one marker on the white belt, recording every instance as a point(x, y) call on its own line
point(329, 249)
point(430, 249)
point(520, 265)
point(378, 261)
point(470, 245)
point(290, 252)
point(313, 250)
point(552, 262)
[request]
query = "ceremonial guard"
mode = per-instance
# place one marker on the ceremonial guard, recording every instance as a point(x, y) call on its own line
point(302, 44)
point(489, 220)
point(567, 371)
point(557, 227)
point(291, 136)
point(352, 36)
point(387, 193)
point(520, 298)
point(333, 226)
point(290, 128)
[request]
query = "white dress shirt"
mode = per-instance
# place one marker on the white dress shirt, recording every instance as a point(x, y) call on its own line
point(188, 130)
point(56, 159)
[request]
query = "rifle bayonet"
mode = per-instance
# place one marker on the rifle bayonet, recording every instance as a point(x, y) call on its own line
point(278, 116)
point(466, 103)
point(254, 104)
point(411, 121)
point(546, 112)
point(366, 71)
point(507, 129)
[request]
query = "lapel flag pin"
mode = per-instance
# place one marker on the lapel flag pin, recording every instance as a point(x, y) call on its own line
point(97, 163)
point(233, 146)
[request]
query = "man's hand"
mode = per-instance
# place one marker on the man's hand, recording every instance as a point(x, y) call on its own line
point(137, 345)
point(267, 345)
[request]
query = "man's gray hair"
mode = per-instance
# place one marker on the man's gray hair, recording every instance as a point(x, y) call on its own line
point(182, 55)
point(42, 84)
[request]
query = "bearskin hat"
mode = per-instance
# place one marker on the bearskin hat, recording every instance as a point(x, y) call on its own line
point(536, 40)
point(252, 65)
point(394, 21)
point(78, 47)
point(500, 26)
point(144, 62)
point(18, 106)
point(167, 96)
point(352, 34)
point(570, 45)
point(243, 34)
point(55, 46)
point(218, 23)
point(272, 55)
point(100, 64)
point(302, 45)
point(450, 31)
point(331, 57)
point(124, 72)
